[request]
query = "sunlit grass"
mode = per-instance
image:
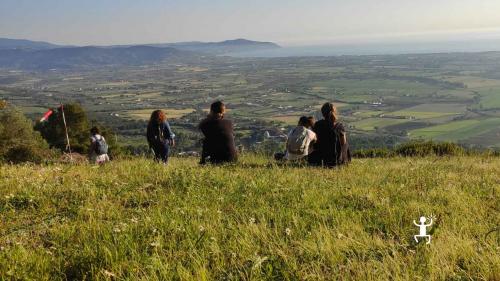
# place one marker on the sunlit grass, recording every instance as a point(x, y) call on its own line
point(253, 220)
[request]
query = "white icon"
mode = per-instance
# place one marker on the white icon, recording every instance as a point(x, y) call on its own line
point(423, 229)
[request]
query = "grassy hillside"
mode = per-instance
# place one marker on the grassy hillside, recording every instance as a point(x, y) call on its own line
point(137, 220)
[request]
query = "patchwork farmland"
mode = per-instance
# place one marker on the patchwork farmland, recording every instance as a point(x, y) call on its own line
point(445, 97)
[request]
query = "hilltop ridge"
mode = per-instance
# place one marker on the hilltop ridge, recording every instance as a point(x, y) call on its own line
point(9, 44)
point(25, 54)
point(223, 47)
point(82, 57)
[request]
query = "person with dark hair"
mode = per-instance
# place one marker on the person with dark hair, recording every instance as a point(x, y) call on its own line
point(310, 122)
point(160, 136)
point(98, 150)
point(331, 148)
point(218, 144)
point(299, 141)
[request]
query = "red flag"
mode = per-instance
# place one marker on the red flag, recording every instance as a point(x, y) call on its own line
point(46, 115)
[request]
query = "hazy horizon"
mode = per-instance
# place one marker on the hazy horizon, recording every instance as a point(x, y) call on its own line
point(288, 23)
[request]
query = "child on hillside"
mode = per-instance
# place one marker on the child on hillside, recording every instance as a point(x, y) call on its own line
point(98, 150)
point(299, 141)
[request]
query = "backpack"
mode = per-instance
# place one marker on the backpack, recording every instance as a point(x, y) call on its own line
point(297, 141)
point(342, 152)
point(160, 137)
point(155, 134)
point(101, 147)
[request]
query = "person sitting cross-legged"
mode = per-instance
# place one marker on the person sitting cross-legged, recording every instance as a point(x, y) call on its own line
point(299, 141)
point(331, 148)
point(218, 145)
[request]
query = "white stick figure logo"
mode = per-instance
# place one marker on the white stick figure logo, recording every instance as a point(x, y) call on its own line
point(423, 229)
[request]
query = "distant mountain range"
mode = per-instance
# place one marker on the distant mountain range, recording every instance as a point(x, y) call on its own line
point(9, 44)
point(25, 54)
point(87, 57)
point(224, 47)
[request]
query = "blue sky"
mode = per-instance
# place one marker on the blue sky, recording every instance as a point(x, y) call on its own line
point(292, 22)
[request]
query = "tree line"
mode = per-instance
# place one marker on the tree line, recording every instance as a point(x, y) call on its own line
point(21, 141)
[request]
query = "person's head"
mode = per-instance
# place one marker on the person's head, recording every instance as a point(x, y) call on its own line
point(303, 121)
point(422, 219)
point(217, 109)
point(329, 112)
point(310, 122)
point(158, 117)
point(94, 131)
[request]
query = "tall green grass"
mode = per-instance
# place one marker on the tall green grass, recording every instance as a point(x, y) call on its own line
point(136, 220)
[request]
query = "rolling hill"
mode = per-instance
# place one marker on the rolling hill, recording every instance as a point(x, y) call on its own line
point(31, 55)
point(82, 57)
point(12, 44)
point(224, 47)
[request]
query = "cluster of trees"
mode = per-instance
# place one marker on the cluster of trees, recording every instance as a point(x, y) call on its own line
point(20, 141)
point(78, 125)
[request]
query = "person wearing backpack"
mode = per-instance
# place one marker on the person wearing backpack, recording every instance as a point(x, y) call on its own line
point(98, 150)
point(160, 136)
point(300, 138)
point(331, 148)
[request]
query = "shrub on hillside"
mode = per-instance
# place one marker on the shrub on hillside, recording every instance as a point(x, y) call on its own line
point(18, 141)
point(373, 153)
point(426, 148)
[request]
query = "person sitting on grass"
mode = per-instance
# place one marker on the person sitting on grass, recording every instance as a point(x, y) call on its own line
point(331, 148)
point(159, 135)
point(299, 141)
point(98, 150)
point(218, 144)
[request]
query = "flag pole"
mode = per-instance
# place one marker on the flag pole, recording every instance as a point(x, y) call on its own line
point(68, 146)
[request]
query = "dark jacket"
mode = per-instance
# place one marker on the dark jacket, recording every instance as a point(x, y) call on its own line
point(219, 140)
point(328, 150)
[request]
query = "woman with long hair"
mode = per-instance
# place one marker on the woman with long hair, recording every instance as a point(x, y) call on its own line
point(331, 148)
point(160, 136)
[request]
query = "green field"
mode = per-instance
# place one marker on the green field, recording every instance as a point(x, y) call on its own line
point(370, 124)
point(136, 220)
point(287, 119)
point(434, 96)
point(145, 114)
point(457, 130)
point(34, 110)
point(376, 86)
point(426, 111)
point(490, 99)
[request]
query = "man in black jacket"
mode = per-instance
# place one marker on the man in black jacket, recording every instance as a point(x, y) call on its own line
point(218, 145)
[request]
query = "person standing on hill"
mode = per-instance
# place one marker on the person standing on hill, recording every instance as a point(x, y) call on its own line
point(331, 148)
point(98, 150)
point(160, 136)
point(218, 145)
